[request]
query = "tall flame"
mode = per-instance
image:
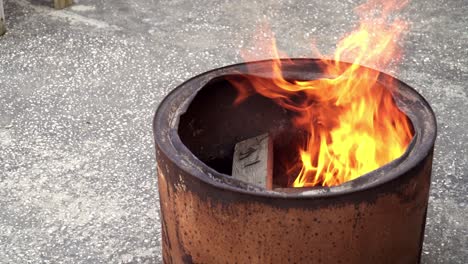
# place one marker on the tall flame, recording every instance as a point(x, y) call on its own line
point(353, 124)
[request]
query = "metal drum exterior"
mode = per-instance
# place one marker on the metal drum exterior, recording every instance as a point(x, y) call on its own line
point(205, 219)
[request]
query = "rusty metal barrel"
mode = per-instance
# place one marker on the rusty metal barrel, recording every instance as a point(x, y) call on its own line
point(209, 217)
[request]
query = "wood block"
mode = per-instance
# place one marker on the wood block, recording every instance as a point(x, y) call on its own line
point(61, 4)
point(253, 161)
point(2, 19)
point(2, 27)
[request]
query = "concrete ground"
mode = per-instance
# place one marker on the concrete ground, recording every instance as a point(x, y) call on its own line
point(78, 89)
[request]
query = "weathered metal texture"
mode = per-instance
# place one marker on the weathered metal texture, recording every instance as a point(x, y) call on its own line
point(206, 224)
point(208, 217)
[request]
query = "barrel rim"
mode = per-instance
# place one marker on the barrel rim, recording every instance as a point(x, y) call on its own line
point(167, 117)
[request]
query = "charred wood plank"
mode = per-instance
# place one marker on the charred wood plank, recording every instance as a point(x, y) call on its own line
point(253, 161)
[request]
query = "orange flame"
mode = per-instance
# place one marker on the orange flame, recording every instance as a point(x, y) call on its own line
point(354, 126)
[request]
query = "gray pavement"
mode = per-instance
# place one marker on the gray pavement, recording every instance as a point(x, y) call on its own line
point(78, 89)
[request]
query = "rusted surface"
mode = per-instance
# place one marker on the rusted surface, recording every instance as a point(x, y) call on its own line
point(208, 217)
point(203, 224)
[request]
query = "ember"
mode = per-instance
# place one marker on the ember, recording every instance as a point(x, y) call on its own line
point(352, 121)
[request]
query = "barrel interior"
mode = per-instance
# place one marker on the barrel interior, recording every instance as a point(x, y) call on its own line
point(213, 124)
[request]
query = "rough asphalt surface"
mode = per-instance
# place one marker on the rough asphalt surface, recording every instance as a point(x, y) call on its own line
point(79, 87)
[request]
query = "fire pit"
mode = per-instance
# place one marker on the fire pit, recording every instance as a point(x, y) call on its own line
point(210, 217)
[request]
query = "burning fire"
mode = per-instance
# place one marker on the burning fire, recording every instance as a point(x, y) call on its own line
point(353, 124)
